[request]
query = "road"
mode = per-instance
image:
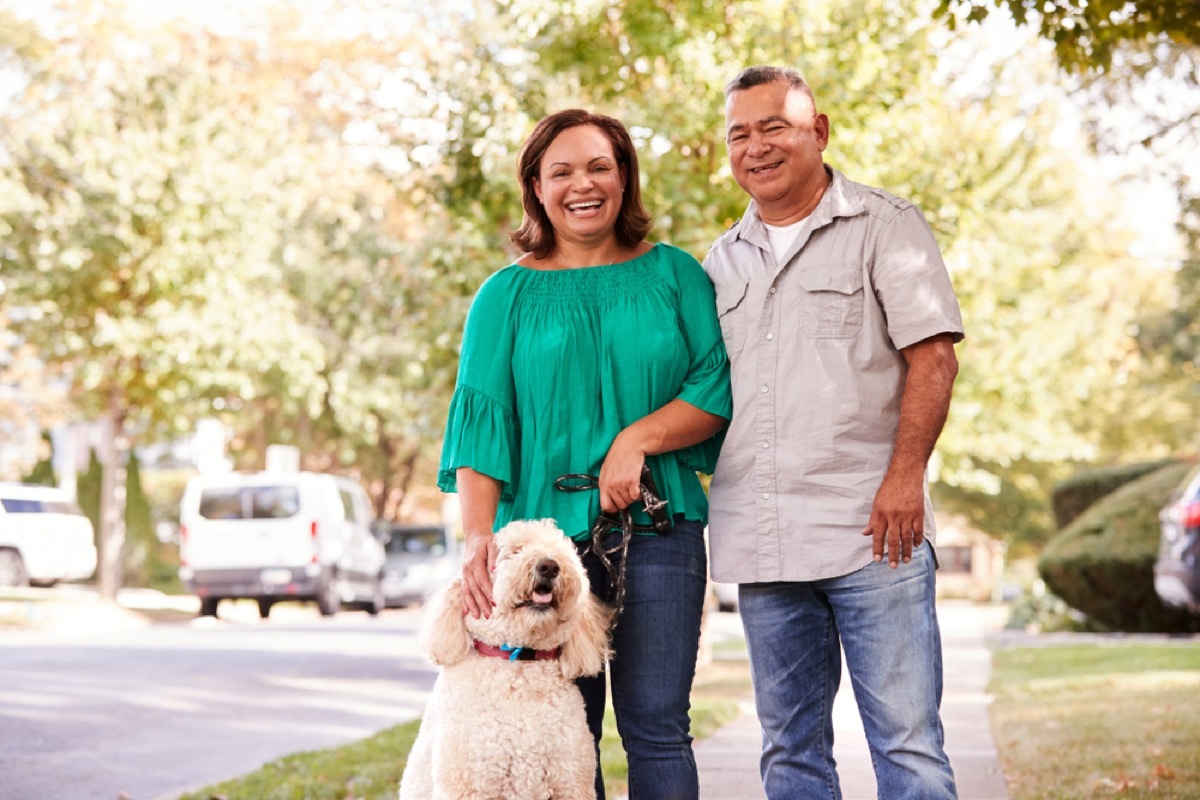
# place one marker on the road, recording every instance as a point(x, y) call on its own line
point(166, 708)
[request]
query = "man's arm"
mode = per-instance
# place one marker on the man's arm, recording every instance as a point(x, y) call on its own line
point(898, 513)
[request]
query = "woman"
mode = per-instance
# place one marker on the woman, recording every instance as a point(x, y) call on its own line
point(594, 353)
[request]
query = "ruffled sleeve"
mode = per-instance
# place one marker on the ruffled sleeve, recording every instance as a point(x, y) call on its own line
point(481, 434)
point(706, 385)
point(481, 429)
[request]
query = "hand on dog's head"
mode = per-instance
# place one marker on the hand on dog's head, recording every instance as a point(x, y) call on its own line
point(542, 598)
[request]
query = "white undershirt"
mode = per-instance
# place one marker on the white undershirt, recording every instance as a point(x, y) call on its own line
point(782, 237)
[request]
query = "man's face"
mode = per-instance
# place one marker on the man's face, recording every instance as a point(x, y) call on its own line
point(775, 140)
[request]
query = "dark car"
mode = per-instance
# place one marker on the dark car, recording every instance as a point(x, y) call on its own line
point(1177, 571)
point(420, 560)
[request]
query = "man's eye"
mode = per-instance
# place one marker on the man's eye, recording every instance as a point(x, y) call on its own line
point(774, 129)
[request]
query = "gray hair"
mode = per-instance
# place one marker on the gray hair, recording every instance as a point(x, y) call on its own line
point(764, 74)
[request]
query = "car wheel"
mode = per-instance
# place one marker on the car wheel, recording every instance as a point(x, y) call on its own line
point(377, 602)
point(264, 607)
point(329, 600)
point(208, 606)
point(12, 569)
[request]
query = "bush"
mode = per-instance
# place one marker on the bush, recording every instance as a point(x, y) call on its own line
point(1102, 564)
point(1076, 494)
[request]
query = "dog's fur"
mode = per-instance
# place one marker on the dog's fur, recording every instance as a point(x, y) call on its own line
point(496, 729)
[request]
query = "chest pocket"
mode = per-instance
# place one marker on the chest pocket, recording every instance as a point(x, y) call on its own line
point(832, 304)
point(731, 310)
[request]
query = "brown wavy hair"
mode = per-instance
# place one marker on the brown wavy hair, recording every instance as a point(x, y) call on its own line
point(536, 234)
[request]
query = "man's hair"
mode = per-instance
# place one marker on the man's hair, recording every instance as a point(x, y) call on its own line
point(536, 234)
point(764, 74)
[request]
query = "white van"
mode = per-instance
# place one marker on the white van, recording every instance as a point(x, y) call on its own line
point(280, 536)
point(44, 537)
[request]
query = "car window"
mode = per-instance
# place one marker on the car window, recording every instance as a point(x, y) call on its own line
point(348, 505)
point(222, 503)
point(419, 541)
point(17, 505)
point(275, 502)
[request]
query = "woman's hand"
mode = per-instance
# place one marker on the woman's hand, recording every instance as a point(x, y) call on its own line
point(479, 496)
point(621, 473)
point(479, 561)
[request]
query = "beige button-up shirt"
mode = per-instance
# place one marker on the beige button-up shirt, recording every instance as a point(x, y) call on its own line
point(814, 343)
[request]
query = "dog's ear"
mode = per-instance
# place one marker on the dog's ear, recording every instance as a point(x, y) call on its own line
point(587, 649)
point(444, 635)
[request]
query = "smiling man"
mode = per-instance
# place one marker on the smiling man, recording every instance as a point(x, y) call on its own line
point(840, 323)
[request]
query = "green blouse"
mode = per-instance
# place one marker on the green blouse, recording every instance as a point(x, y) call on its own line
point(555, 364)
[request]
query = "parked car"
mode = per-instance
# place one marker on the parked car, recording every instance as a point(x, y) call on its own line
point(1177, 570)
point(420, 560)
point(273, 536)
point(44, 537)
point(727, 596)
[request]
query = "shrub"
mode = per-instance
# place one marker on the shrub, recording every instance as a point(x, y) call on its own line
point(1076, 494)
point(1102, 564)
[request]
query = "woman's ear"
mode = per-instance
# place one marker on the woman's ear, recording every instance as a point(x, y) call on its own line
point(444, 635)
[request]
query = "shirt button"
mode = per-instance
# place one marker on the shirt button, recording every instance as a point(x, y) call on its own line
point(766, 497)
point(772, 290)
point(764, 390)
point(766, 445)
point(770, 336)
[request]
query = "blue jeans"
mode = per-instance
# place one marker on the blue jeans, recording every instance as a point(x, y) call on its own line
point(654, 661)
point(886, 622)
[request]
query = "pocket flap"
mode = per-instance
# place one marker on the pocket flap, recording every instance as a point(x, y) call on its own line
point(843, 279)
point(730, 297)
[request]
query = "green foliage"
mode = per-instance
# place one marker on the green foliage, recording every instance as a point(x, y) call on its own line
point(1087, 33)
point(1072, 497)
point(1103, 562)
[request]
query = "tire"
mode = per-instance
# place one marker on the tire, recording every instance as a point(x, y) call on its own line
point(12, 569)
point(208, 606)
point(329, 600)
point(377, 602)
point(264, 607)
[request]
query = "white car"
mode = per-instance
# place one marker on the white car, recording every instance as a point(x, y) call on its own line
point(44, 537)
point(273, 536)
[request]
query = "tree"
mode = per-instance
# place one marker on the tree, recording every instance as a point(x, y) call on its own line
point(138, 218)
point(1087, 33)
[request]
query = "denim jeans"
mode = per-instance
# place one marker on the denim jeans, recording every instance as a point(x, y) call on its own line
point(654, 661)
point(885, 621)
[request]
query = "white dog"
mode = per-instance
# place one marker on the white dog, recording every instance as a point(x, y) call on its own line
point(505, 720)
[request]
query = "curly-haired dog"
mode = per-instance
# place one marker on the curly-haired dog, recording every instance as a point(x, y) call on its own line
point(505, 720)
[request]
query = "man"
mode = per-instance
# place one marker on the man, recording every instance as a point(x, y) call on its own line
point(840, 322)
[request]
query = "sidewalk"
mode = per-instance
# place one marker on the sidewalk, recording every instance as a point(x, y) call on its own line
point(728, 760)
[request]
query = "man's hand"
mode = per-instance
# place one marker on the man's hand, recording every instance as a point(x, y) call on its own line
point(898, 517)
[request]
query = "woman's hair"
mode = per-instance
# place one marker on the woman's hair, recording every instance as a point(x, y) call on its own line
point(536, 234)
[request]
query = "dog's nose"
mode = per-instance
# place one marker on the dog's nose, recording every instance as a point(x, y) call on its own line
point(547, 568)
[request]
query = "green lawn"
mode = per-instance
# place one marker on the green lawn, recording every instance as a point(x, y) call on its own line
point(1099, 720)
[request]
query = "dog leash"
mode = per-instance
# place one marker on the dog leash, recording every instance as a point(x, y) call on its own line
point(606, 523)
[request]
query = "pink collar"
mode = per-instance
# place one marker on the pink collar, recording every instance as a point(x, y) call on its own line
point(517, 653)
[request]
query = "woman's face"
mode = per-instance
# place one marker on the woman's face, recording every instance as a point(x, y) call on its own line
point(580, 185)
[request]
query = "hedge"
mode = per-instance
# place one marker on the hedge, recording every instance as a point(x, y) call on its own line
point(1102, 564)
point(1072, 497)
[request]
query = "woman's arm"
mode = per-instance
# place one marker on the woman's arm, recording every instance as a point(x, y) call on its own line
point(479, 497)
point(676, 425)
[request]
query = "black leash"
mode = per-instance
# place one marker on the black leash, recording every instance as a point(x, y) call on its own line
point(606, 523)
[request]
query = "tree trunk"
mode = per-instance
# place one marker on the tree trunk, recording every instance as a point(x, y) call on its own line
point(112, 500)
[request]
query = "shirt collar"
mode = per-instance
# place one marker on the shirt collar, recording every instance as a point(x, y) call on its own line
point(842, 198)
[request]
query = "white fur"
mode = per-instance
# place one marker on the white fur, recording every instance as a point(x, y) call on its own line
point(496, 729)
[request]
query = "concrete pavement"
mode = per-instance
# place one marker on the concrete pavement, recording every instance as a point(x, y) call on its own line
point(728, 760)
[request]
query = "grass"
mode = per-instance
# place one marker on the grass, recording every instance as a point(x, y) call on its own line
point(1099, 720)
point(370, 769)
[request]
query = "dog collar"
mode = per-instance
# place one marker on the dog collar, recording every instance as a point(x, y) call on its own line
point(517, 653)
